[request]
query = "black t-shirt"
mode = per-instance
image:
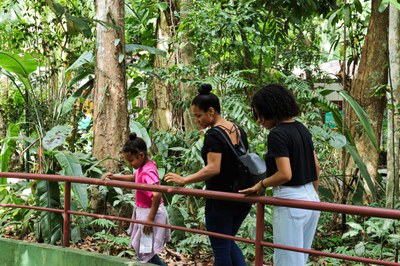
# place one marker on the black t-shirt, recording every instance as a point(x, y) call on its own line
point(292, 140)
point(215, 142)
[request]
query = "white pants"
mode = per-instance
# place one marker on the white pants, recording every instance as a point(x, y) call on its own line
point(292, 226)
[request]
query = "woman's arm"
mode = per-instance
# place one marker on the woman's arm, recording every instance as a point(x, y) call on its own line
point(316, 182)
point(212, 169)
point(119, 177)
point(282, 175)
point(147, 229)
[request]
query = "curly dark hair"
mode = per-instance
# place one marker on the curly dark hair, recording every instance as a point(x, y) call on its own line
point(274, 101)
point(135, 145)
point(205, 99)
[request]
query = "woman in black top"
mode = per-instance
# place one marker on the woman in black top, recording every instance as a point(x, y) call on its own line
point(219, 173)
point(292, 171)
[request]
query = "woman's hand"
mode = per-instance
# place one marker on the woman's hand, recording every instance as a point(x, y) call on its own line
point(256, 189)
point(175, 178)
point(107, 175)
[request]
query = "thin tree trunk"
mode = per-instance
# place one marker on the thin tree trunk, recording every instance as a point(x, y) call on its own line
point(162, 99)
point(393, 150)
point(372, 73)
point(186, 51)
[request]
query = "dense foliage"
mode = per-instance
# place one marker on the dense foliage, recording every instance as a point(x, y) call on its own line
point(47, 66)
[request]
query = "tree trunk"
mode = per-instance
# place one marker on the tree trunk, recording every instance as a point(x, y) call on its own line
point(186, 51)
point(393, 150)
point(372, 72)
point(162, 105)
point(110, 114)
point(110, 121)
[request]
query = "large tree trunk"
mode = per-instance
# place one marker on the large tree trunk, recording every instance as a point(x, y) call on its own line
point(393, 150)
point(110, 120)
point(162, 99)
point(372, 73)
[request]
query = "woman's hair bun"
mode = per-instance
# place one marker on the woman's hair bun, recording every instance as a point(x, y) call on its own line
point(205, 88)
point(132, 136)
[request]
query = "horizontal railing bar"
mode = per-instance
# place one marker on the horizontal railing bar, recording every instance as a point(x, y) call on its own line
point(191, 230)
point(302, 204)
point(327, 254)
point(31, 207)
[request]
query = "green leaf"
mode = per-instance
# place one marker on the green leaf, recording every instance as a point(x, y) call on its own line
point(8, 148)
point(384, 4)
point(71, 167)
point(338, 141)
point(176, 218)
point(362, 116)
point(86, 57)
point(20, 65)
point(361, 165)
point(359, 249)
point(49, 223)
point(355, 226)
point(151, 50)
point(56, 137)
point(140, 132)
point(347, 14)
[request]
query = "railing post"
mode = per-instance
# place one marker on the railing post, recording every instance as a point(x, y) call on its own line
point(259, 234)
point(67, 206)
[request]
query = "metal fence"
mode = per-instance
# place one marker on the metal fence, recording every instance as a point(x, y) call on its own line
point(260, 202)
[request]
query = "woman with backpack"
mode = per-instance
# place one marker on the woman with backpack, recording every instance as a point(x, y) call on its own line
point(219, 173)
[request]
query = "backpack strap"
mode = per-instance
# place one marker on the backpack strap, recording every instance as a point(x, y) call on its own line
point(221, 131)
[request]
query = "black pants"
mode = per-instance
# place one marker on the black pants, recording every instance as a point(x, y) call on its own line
point(226, 220)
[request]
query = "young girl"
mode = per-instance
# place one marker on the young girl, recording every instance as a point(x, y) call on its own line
point(149, 206)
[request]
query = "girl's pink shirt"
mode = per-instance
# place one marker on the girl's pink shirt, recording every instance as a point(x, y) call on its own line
point(147, 174)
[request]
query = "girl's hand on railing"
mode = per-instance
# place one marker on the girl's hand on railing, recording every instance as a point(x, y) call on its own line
point(175, 178)
point(107, 175)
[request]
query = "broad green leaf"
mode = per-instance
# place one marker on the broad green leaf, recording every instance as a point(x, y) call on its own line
point(20, 65)
point(86, 57)
point(71, 167)
point(8, 148)
point(338, 141)
point(50, 223)
point(56, 137)
point(176, 218)
point(140, 132)
point(152, 50)
point(355, 226)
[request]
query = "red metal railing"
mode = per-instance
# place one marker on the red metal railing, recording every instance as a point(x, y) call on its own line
point(260, 201)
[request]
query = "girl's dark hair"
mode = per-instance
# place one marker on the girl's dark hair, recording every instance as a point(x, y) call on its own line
point(135, 145)
point(205, 99)
point(274, 101)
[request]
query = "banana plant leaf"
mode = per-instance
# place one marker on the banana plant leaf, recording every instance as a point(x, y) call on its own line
point(71, 167)
point(50, 224)
point(56, 136)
